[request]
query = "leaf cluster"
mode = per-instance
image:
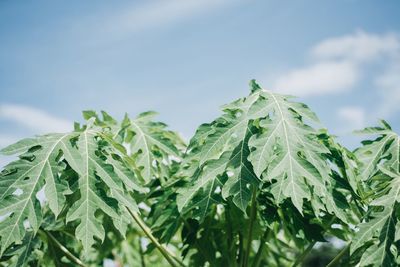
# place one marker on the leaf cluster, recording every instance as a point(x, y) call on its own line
point(264, 184)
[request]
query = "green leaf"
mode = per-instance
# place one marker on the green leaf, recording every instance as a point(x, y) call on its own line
point(22, 253)
point(21, 181)
point(261, 137)
point(96, 174)
point(380, 168)
point(151, 145)
point(287, 152)
point(372, 152)
point(100, 189)
point(242, 181)
point(202, 192)
point(216, 149)
point(381, 231)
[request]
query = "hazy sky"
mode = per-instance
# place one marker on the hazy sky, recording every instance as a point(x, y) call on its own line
point(186, 58)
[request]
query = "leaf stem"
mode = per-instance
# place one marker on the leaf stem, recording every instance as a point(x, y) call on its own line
point(304, 254)
point(338, 257)
point(240, 254)
point(167, 255)
point(253, 214)
point(232, 249)
point(257, 258)
point(67, 253)
point(310, 246)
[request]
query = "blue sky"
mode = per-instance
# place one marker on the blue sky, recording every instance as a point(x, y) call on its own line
point(186, 58)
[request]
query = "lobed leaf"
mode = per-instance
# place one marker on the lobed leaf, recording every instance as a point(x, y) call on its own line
point(380, 168)
point(41, 167)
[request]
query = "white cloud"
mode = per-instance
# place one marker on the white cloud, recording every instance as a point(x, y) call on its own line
point(338, 64)
point(358, 47)
point(353, 117)
point(34, 119)
point(318, 79)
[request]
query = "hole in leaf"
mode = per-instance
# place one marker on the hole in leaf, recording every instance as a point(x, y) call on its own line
point(41, 196)
point(27, 224)
point(18, 192)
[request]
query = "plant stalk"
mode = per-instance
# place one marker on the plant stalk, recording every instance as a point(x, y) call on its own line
point(253, 214)
point(338, 257)
point(304, 254)
point(230, 239)
point(172, 260)
point(241, 250)
point(310, 247)
point(67, 253)
point(257, 258)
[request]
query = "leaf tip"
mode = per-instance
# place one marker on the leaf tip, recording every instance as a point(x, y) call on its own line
point(254, 86)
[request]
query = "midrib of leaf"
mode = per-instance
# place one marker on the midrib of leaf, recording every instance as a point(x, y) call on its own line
point(214, 174)
point(206, 154)
point(386, 236)
point(368, 231)
point(87, 188)
point(53, 184)
point(374, 158)
point(161, 145)
point(204, 180)
point(244, 119)
point(109, 181)
point(271, 135)
point(71, 160)
point(242, 165)
point(396, 162)
point(288, 147)
point(143, 136)
point(240, 172)
point(261, 111)
point(84, 186)
point(388, 226)
point(25, 255)
point(396, 195)
point(208, 198)
point(28, 199)
point(205, 157)
point(379, 253)
point(310, 157)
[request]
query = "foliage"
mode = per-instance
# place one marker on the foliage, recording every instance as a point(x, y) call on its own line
point(260, 185)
